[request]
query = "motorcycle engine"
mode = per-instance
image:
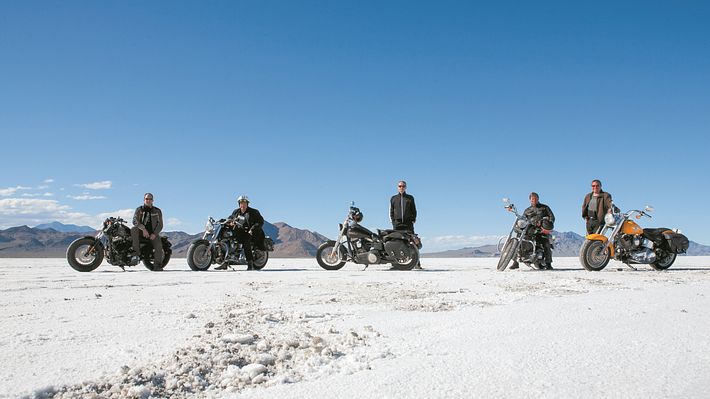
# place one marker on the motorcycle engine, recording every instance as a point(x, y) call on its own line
point(644, 256)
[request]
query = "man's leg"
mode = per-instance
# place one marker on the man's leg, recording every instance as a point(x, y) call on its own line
point(245, 239)
point(135, 237)
point(158, 253)
point(548, 252)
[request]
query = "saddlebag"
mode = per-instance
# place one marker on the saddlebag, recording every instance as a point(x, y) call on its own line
point(675, 242)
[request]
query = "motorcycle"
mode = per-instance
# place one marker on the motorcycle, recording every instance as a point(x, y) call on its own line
point(623, 240)
point(219, 245)
point(522, 243)
point(114, 243)
point(357, 244)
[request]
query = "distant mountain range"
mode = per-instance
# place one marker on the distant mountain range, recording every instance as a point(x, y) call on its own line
point(566, 244)
point(65, 228)
point(52, 242)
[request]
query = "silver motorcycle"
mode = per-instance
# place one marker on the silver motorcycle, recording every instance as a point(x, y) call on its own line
point(521, 244)
point(219, 245)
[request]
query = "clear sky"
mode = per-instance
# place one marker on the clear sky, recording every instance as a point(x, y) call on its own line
point(307, 105)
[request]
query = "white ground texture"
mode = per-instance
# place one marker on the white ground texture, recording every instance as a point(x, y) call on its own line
point(457, 329)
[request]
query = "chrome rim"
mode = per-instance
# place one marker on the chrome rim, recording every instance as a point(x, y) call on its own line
point(329, 257)
point(201, 256)
point(260, 258)
point(666, 260)
point(83, 256)
point(597, 254)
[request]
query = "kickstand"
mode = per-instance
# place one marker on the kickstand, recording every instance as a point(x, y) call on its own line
point(122, 268)
point(365, 268)
point(632, 268)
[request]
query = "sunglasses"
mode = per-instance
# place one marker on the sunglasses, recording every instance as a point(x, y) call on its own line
point(402, 186)
point(595, 185)
point(148, 199)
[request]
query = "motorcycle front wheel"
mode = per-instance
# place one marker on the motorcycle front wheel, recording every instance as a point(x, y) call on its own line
point(260, 259)
point(199, 256)
point(326, 259)
point(85, 254)
point(594, 255)
point(506, 255)
point(664, 261)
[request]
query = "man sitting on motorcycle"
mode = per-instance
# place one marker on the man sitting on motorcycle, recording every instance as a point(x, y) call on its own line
point(541, 216)
point(148, 223)
point(246, 223)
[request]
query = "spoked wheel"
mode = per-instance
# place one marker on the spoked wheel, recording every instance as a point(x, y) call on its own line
point(329, 260)
point(150, 265)
point(507, 254)
point(594, 255)
point(260, 259)
point(664, 260)
point(85, 254)
point(199, 256)
point(407, 262)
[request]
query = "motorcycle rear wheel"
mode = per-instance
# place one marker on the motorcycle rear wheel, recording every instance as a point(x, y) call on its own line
point(594, 255)
point(150, 265)
point(260, 259)
point(326, 261)
point(408, 265)
point(199, 256)
point(82, 261)
point(664, 262)
point(506, 255)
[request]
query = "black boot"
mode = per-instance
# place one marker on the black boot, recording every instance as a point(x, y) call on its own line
point(515, 265)
point(250, 265)
point(223, 266)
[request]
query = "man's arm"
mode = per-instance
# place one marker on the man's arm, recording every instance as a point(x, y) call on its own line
point(137, 219)
point(392, 209)
point(159, 227)
point(550, 215)
point(607, 203)
point(585, 204)
point(414, 210)
point(257, 221)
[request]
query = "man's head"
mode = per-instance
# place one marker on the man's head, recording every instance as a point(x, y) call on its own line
point(148, 199)
point(243, 202)
point(534, 198)
point(596, 186)
point(402, 186)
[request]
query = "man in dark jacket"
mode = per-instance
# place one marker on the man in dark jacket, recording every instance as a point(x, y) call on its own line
point(148, 222)
point(403, 211)
point(541, 216)
point(247, 223)
point(595, 206)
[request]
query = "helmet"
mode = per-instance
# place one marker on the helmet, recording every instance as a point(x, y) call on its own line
point(243, 198)
point(356, 215)
point(547, 224)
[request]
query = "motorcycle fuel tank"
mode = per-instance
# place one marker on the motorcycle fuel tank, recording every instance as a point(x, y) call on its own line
point(358, 231)
point(632, 228)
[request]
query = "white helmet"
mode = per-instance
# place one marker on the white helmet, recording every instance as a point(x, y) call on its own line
point(243, 198)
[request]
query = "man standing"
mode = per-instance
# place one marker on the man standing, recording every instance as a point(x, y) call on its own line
point(247, 224)
point(403, 211)
point(541, 216)
point(595, 206)
point(148, 222)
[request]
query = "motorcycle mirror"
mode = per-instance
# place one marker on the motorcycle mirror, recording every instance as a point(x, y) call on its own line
point(506, 200)
point(352, 204)
point(649, 208)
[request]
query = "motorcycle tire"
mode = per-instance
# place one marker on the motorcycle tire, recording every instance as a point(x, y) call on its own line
point(594, 255)
point(149, 264)
point(506, 255)
point(201, 249)
point(323, 256)
point(260, 259)
point(665, 262)
point(409, 265)
point(87, 263)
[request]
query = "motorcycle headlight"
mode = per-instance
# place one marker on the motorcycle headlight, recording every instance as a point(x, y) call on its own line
point(209, 228)
point(521, 223)
point(610, 219)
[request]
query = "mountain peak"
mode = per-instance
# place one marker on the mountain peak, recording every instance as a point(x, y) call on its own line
point(65, 228)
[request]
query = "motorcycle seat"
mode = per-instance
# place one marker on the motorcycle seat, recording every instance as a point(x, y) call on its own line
point(655, 235)
point(385, 232)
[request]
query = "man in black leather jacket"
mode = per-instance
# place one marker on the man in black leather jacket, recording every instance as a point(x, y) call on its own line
point(247, 223)
point(540, 215)
point(403, 211)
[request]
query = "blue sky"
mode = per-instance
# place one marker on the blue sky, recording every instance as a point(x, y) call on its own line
point(305, 106)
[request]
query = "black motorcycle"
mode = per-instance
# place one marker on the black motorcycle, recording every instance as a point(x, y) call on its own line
point(359, 245)
point(523, 243)
point(219, 245)
point(114, 243)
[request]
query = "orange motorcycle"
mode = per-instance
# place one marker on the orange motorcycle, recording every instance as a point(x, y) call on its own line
point(623, 240)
